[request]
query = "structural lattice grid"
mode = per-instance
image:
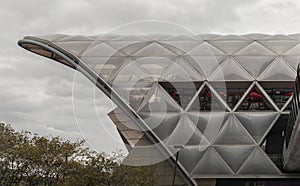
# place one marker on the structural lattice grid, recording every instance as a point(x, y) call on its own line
point(257, 70)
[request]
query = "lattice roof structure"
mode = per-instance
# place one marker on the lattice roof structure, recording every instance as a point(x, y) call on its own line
point(216, 96)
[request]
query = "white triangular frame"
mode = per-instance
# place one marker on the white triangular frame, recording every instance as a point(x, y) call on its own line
point(257, 85)
point(241, 125)
point(267, 130)
point(220, 158)
point(266, 156)
point(216, 96)
point(163, 91)
point(271, 65)
point(210, 77)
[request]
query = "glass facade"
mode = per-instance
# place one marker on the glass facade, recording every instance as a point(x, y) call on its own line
point(224, 99)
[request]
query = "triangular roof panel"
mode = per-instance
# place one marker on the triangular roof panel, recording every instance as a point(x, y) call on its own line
point(235, 155)
point(255, 49)
point(257, 123)
point(278, 71)
point(209, 123)
point(153, 65)
point(258, 163)
point(279, 46)
point(180, 71)
point(162, 124)
point(205, 65)
point(105, 66)
point(153, 49)
point(255, 36)
point(182, 46)
point(122, 46)
point(211, 163)
point(186, 133)
point(230, 70)
point(255, 65)
point(128, 72)
point(233, 133)
point(190, 156)
point(134, 95)
point(76, 47)
point(293, 61)
point(229, 46)
point(157, 100)
point(101, 49)
point(205, 49)
point(295, 51)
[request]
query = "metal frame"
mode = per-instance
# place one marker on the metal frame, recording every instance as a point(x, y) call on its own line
point(103, 86)
point(79, 65)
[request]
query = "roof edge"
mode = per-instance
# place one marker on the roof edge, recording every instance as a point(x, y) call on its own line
point(52, 51)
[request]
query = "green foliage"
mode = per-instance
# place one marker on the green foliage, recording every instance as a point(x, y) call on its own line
point(27, 159)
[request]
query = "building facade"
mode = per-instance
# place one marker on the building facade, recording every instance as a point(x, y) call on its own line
point(207, 106)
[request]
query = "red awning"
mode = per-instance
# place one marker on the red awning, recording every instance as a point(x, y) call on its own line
point(255, 95)
point(288, 94)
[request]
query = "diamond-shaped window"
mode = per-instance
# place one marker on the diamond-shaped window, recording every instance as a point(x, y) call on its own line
point(181, 92)
point(206, 101)
point(231, 92)
point(279, 92)
point(255, 101)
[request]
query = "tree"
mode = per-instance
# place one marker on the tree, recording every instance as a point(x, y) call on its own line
point(29, 159)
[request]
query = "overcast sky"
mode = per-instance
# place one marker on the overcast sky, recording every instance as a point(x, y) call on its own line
point(36, 94)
